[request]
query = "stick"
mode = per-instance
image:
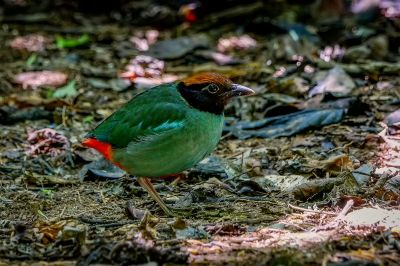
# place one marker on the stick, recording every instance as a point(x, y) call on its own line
point(345, 210)
point(308, 210)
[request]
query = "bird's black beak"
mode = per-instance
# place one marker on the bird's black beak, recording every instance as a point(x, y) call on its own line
point(239, 90)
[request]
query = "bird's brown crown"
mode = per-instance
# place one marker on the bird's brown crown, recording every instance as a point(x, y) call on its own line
point(210, 92)
point(208, 78)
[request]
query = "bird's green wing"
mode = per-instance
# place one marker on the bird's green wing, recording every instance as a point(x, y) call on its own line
point(157, 111)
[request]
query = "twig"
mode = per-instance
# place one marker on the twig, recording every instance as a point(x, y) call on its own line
point(294, 225)
point(63, 116)
point(62, 212)
point(336, 222)
point(345, 210)
point(309, 210)
point(341, 148)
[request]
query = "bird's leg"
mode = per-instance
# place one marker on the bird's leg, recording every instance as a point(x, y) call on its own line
point(178, 177)
point(148, 186)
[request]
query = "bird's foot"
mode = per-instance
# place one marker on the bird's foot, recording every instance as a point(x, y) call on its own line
point(146, 184)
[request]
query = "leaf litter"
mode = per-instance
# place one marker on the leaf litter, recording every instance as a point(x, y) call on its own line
point(307, 170)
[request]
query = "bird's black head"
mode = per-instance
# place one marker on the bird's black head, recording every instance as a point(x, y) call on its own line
point(210, 92)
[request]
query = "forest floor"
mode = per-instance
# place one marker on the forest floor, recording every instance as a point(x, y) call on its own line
point(312, 180)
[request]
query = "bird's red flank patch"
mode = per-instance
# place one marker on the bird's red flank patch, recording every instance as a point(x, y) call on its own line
point(103, 147)
point(204, 78)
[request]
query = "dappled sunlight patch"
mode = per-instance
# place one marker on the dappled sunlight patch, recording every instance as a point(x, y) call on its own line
point(307, 229)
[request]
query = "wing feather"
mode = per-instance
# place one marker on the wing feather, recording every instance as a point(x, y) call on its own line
point(153, 113)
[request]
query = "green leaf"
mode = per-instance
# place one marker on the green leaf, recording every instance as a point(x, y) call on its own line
point(68, 90)
point(49, 94)
point(88, 119)
point(48, 193)
point(31, 60)
point(62, 42)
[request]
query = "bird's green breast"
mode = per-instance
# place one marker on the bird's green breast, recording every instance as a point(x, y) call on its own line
point(179, 145)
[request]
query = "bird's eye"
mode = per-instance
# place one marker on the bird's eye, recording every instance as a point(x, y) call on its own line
point(212, 88)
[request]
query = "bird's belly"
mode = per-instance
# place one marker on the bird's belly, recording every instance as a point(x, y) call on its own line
point(172, 154)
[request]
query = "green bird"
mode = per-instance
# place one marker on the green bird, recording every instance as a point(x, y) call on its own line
point(166, 129)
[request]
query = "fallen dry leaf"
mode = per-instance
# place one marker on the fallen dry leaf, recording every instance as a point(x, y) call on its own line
point(242, 42)
point(143, 41)
point(36, 79)
point(46, 141)
point(31, 42)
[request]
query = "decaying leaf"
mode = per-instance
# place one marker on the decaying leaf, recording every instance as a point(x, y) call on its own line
point(143, 66)
point(64, 230)
point(363, 174)
point(117, 84)
point(374, 217)
point(46, 141)
point(287, 125)
point(49, 232)
point(144, 40)
point(31, 42)
point(313, 188)
point(11, 115)
point(284, 182)
point(147, 228)
point(339, 163)
point(242, 42)
point(336, 82)
point(184, 231)
point(100, 170)
point(332, 53)
point(37, 79)
point(146, 72)
point(66, 91)
point(176, 48)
